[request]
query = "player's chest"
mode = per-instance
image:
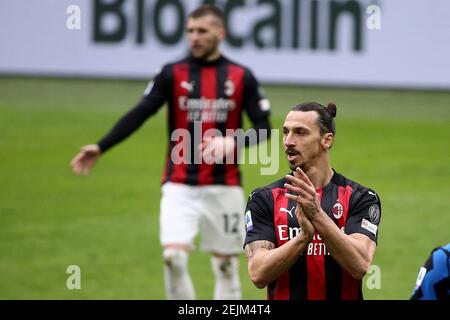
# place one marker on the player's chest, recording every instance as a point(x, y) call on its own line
point(223, 82)
point(334, 204)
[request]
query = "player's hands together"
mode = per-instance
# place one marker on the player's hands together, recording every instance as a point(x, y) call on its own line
point(216, 149)
point(304, 193)
point(85, 159)
point(307, 229)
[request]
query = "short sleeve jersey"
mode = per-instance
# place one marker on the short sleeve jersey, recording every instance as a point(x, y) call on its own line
point(315, 275)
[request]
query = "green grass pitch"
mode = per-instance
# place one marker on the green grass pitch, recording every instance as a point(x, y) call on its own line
point(396, 142)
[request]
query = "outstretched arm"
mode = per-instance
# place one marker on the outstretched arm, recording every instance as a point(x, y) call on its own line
point(85, 160)
point(153, 99)
point(126, 125)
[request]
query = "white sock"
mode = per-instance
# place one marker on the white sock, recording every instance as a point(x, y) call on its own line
point(178, 282)
point(226, 272)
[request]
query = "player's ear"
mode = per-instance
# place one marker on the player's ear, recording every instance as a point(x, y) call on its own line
point(327, 140)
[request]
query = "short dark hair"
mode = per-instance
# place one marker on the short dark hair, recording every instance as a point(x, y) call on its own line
point(326, 115)
point(208, 9)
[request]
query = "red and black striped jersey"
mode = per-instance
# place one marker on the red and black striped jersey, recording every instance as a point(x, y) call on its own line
point(200, 95)
point(315, 275)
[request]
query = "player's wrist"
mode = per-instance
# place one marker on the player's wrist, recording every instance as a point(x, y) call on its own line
point(100, 148)
point(304, 238)
point(315, 216)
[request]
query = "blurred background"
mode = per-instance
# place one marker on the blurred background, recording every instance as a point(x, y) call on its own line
point(69, 69)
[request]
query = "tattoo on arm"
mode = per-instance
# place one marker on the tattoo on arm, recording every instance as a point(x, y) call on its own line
point(252, 247)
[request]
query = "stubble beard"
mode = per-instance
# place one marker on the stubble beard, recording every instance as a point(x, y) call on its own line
point(297, 164)
point(208, 52)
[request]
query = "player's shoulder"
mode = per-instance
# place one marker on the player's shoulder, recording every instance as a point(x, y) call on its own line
point(442, 253)
point(446, 247)
point(232, 62)
point(360, 194)
point(266, 191)
point(357, 188)
point(168, 67)
point(247, 71)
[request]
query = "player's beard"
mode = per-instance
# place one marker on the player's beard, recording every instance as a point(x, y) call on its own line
point(298, 164)
point(298, 161)
point(208, 51)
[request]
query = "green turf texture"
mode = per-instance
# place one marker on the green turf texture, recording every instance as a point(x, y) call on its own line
point(107, 223)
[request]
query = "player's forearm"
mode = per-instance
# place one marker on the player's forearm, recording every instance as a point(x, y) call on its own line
point(347, 251)
point(268, 265)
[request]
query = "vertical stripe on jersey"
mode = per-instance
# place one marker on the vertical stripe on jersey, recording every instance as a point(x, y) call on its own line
point(192, 168)
point(181, 73)
point(281, 291)
point(344, 194)
point(236, 76)
point(350, 286)
point(208, 91)
point(298, 277)
point(333, 271)
point(222, 76)
point(315, 265)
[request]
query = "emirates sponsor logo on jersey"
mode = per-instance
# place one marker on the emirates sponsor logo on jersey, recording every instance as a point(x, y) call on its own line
point(316, 248)
point(206, 110)
point(287, 233)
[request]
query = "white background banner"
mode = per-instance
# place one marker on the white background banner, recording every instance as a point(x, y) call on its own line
point(380, 43)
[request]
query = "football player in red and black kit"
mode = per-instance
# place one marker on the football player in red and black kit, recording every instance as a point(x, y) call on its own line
point(312, 234)
point(201, 189)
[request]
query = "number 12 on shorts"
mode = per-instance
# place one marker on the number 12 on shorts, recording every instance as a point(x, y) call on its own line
point(231, 222)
